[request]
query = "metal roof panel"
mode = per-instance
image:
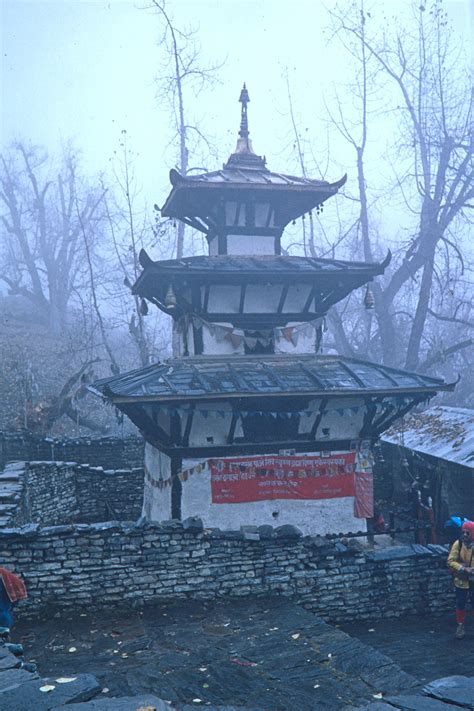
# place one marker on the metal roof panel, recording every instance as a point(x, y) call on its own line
point(209, 376)
point(443, 432)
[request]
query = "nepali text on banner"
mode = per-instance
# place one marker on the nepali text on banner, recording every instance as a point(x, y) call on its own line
point(265, 478)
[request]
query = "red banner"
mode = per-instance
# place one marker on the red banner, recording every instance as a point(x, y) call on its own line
point(364, 495)
point(236, 481)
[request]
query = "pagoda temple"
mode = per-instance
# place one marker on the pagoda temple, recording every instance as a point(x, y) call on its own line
point(250, 424)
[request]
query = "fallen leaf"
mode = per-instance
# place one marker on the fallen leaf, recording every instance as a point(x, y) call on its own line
point(46, 688)
point(66, 679)
point(243, 663)
point(72, 649)
point(295, 636)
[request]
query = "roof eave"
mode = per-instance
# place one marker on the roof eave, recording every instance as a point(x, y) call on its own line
point(429, 391)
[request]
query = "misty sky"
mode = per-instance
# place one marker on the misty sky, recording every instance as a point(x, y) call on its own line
point(85, 70)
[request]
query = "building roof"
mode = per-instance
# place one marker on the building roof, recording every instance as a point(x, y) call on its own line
point(195, 195)
point(442, 432)
point(194, 198)
point(265, 265)
point(222, 378)
point(324, 281)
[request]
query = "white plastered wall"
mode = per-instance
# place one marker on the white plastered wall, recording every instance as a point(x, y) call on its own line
point(156, 501)
point(312, 517)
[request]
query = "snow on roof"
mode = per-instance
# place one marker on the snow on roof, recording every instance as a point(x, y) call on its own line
point(442, 432)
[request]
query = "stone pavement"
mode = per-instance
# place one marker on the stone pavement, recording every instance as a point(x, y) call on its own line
point(253, 655)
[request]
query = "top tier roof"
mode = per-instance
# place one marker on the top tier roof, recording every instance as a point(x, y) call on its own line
point(245, 171)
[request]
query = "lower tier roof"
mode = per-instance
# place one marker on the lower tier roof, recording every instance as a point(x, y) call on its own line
point(276, 376)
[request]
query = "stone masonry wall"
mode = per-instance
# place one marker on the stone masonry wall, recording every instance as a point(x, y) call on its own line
point(48, 493)
point(107, 452)
point(61, 492)
point(98, 565)
point(108, 494)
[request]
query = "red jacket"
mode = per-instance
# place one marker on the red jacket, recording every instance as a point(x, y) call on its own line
point(14, 585)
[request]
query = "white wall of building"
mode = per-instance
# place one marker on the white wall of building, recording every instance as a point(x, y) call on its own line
point(156, 501)
point(312, 517)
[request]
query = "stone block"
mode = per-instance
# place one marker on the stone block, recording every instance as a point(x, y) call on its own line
point(193, 524)
point(288, 531)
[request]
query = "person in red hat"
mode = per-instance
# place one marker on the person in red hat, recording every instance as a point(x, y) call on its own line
point(461, 562)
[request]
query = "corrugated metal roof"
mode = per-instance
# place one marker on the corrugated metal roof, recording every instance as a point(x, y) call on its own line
point(262, 264)
point(442, 432)
point(245, 176)
point(221, 377)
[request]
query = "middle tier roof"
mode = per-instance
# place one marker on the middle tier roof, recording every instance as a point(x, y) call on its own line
point(230, 288)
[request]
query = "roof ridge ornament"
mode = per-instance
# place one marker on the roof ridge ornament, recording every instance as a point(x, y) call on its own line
point(244, 99)
point(244, 155)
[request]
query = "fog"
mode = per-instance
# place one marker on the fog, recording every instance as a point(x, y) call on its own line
point(83, 94)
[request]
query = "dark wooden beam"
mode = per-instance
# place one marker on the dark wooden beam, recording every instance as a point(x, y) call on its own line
point(155, 434)
point(233, 424)
point(236, 449)
point(188, 427)
point(176, 488)
point(222, 243)
point(319, 417)
point(366, 431)
point(309, 300)
point(284, 294)
point(205, 304)
point(400, 412)
point(195, 224)
point(243, 289)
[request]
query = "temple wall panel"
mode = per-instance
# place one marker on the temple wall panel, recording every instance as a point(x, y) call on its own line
point(313, 517)
point(156, 501)
point(250, 244)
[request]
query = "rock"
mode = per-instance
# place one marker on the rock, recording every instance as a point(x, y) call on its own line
point(288, 531)
point(126, 703)
point(453, 689)
point(193, 524)
point(250, 533)
point(8, 660)
point(375, 706)
point(417, 703)
point(15, 677)
point(28, 696)
point(192, 707)
point(16, 649)
point(265, 531)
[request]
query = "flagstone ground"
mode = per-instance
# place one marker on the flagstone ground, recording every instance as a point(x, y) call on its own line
point(266, 654)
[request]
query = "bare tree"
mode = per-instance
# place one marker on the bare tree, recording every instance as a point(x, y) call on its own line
point(43, 218)
point(182, 74)
point(433, 140)
point(128, 229)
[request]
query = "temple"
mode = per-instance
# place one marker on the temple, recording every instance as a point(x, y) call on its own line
point(249, 424)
